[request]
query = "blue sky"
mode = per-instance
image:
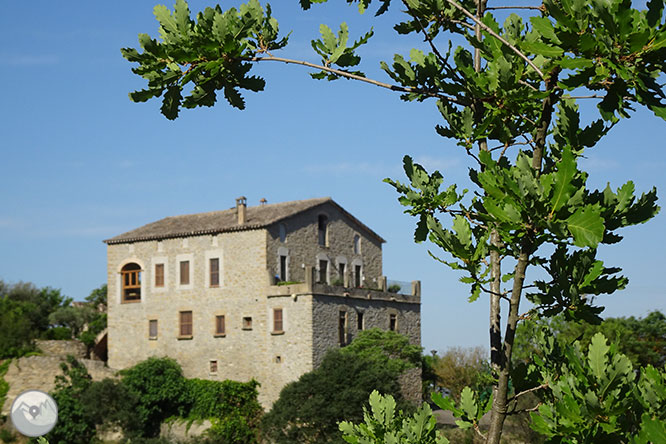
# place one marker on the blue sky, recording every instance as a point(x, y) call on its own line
point(81, 163)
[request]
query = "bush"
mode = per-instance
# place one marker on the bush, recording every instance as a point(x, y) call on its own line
point(309, 409)
point(74, 426)
point(110, 403)
point(58, 333)
point(160, 389)
point(231, 406)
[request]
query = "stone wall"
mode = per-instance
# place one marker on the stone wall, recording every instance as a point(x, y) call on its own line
point(302, 244)
point(39, 372)
point(62, 348)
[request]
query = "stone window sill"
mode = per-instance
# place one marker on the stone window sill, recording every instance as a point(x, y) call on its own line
point(185, 337)
point(275, 333)
point(219, 335)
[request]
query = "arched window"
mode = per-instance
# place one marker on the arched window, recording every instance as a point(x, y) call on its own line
point(131, 282)
point(323, 229)
point(357, 244)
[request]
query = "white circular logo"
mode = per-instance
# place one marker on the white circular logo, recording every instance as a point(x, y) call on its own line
point(34, 413)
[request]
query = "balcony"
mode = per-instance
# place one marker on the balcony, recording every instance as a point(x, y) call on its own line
point(382, 290)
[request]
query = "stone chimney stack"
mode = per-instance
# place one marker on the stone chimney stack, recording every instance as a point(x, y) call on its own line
point(241, 205)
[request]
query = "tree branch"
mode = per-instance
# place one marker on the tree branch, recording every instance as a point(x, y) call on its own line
point(538, 8)
point(497, 36)
point(524, 392)
point(349, 75)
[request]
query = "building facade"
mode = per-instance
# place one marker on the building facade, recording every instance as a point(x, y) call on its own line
point(251, 292)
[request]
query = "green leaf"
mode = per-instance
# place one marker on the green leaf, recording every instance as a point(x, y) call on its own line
point(545, 27)
point(598, 356)
point(328, 38)
point(562, 187)
point(468, 403)
point(586, 226)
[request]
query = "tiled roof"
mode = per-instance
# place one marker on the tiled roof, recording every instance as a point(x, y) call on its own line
point(227, 220)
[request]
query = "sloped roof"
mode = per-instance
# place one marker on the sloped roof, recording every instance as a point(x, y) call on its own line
point(227, 220)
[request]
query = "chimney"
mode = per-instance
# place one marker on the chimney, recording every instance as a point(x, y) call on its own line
point(262, 201)
point(241, 205)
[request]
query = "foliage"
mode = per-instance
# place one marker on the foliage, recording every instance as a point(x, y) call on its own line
point(381, 425)
point(597, 396)
point(160, 389)
point(4, 386)
point(74, 425)
point(386, 348)
point(508, 96)
point(642, 340)
point(109, 403)
point(394, 288)
point(24, 313)
point(308, 410)
point(463, 367)
point(231, 406)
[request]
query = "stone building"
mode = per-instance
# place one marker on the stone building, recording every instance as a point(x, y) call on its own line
point(251, 292)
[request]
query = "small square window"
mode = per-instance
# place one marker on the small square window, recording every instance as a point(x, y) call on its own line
point(213, 366)
point(278, 359)
point(220, 328)
point(152, 329)
point(247, 323)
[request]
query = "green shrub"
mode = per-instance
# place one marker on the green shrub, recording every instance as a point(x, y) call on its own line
point(58, 333)
point(309, 409)
point(7, 436)
point(394, 288)
point(109, 403)
point(74, 425)
point(160, 389)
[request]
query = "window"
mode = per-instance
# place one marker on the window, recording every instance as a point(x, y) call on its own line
point(322, 229)
point(278, 359)
point(152, 329)
point(159, 275)
point(283, 232)
point(186, 324)
point(283, 268)
point(342, 328)
point(359, 320)
point(214, 264)
point(247, 323)
point(184, 272)
point(357, 244)
point(357, 276)
point(213, 366)
point(393, 322)
point(323, 271)
point(220, 329)
point(131, 283)
point(341, 271)
point(277, 321)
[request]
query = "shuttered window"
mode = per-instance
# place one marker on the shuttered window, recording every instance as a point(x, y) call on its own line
point(186, 324)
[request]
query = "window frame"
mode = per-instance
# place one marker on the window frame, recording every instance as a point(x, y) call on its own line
point(276, 330)
point(151, 336)
point(181, 324)
point(131, 275)
point(246, 323)
point(159, 283)
point(322, 230)
point(213, 272)
point(216, 326)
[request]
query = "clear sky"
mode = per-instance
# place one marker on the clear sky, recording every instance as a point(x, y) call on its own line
point(81, 163)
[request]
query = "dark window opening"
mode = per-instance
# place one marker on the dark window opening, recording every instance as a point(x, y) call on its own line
point(393, 322)
point(283, 268)
point(247, 323)
point(213, 366)
point(341, 272)
point(342, 328)
point(359, 321)
point(322, 229)
point(323, 271)
point(357, 276)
